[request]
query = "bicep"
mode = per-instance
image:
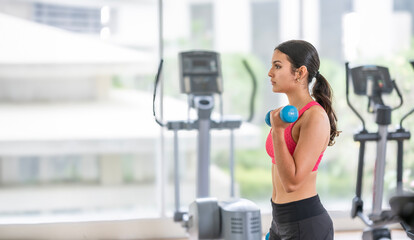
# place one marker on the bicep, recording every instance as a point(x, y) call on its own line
point(312, 140)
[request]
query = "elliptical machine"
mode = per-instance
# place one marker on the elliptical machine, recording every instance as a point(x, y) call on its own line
point(373, 82)
point(238, 219)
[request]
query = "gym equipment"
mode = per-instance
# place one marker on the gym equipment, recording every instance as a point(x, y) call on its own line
point(403, 207)
point(288, 114)
point(374, 81)
point(234, 219)
point(200, 79)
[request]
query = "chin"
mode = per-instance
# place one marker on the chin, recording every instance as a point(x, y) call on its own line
point(275, 90)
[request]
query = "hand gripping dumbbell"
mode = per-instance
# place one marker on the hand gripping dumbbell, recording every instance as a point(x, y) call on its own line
point(288, 114)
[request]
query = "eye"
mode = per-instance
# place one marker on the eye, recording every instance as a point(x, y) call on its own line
point(277, 66)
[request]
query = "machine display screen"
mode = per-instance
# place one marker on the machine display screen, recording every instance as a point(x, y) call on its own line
point(200, 72)
point(199, 65)
point(371, 80)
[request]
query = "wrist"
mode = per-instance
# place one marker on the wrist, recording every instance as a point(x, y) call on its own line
point(278, 131)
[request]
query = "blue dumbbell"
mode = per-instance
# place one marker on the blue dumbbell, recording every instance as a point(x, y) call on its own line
point(288, 114)
point(267, 236)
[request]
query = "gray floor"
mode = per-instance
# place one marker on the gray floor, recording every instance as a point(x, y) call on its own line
point(395, 235)
point(355, 235)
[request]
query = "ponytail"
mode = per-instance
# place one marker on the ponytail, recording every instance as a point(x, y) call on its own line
point(302, 53)
point(322, 93)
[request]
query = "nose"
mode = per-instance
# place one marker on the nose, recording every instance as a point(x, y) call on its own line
point(270, 73)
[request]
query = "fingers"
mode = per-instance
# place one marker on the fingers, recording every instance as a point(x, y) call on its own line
point(275, 116)
point(276, 121)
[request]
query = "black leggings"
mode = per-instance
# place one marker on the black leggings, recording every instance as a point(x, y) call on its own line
point(306, 219)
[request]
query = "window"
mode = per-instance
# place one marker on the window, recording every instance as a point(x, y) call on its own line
point(76, 19)
point(79, 141)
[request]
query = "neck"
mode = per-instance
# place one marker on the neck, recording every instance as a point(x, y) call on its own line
point(299, 100)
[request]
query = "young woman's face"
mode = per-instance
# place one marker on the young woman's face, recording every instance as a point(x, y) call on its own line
point(281, 75)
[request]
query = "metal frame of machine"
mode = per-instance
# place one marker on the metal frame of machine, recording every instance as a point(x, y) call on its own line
point(374, 81)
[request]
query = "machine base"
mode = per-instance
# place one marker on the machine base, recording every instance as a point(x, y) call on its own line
point(376, 234)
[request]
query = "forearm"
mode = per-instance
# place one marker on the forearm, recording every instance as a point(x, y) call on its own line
point(285, 164)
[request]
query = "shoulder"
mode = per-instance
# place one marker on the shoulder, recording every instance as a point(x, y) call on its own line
point(315, 115)
point(315, 125)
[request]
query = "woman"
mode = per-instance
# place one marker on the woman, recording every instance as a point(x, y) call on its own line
point(296, 149)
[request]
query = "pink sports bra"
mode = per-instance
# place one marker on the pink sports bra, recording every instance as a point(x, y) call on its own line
point(290, 143)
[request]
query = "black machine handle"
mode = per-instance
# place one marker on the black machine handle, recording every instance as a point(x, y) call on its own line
point(403, 135)
point(400, 148)
point(347, 96)
point(399, 95)
point(253, 94)
point(405, 116)
point(157, 79)
point(400, 145)
point(362, 137)
point(360, 172)
point(357, 203)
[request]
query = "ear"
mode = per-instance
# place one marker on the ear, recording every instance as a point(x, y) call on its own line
point(301, 72)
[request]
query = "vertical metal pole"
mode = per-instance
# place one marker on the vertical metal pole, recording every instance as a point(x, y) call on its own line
point(379, 170)
point(161, 162)
point(160, 29)
point(176, 172)
point(204, 105)
point(301, 12)
point(360, 172)
point(400, 147)
point(231, 163)
point(203, 166)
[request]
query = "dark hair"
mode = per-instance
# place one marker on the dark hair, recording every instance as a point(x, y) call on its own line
point(301, 53)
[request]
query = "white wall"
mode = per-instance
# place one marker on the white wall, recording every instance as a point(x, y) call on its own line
point(232, 25)
point(369, 33)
